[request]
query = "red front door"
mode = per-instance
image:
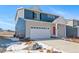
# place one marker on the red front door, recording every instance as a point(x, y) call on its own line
point(54, 30)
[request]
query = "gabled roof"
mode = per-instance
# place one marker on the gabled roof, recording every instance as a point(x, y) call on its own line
point(59, 20)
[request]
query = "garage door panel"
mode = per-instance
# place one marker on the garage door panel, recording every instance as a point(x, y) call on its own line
point(39, 33)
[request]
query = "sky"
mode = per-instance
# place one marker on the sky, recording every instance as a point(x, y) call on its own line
point(8, 12)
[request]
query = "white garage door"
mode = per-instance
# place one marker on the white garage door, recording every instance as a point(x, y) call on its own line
point(39, 33)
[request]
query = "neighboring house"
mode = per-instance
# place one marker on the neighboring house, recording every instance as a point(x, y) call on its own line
point(34, 24)
point(72, 28)
point(1, 30)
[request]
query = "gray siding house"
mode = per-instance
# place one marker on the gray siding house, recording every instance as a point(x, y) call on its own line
point(71, 28)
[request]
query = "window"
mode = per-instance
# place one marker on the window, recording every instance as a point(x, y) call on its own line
point(47, 17)
point(39, 28)
point(35, 15)
point(28, 14)
point(43, 17)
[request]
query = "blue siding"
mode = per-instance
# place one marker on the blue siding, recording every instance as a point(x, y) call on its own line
point(71, 31)
point(20, 27)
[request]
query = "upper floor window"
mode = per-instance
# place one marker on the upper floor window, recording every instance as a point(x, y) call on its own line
point(35, 15)
point(47, 17)
point(28, 14)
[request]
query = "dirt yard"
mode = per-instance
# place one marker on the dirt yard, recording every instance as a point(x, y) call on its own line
point(76, 40)
point(6, 34)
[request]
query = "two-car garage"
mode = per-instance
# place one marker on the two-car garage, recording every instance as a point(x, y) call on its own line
point(37, 29)
point(39, 32)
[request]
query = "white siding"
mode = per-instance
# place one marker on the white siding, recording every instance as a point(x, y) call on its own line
point(20, 13)
point(69, 22)
point(61, 30)
point(59, 20)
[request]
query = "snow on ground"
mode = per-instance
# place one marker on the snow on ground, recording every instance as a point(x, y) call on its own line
point(33, 47)
point(13, 45)
point(16, 46)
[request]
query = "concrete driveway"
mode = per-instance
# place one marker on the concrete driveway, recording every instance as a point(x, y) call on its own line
point(62, 45)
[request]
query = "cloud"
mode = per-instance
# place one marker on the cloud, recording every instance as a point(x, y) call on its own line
point(6, 25)
point(64, 13)
point(53, 10)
